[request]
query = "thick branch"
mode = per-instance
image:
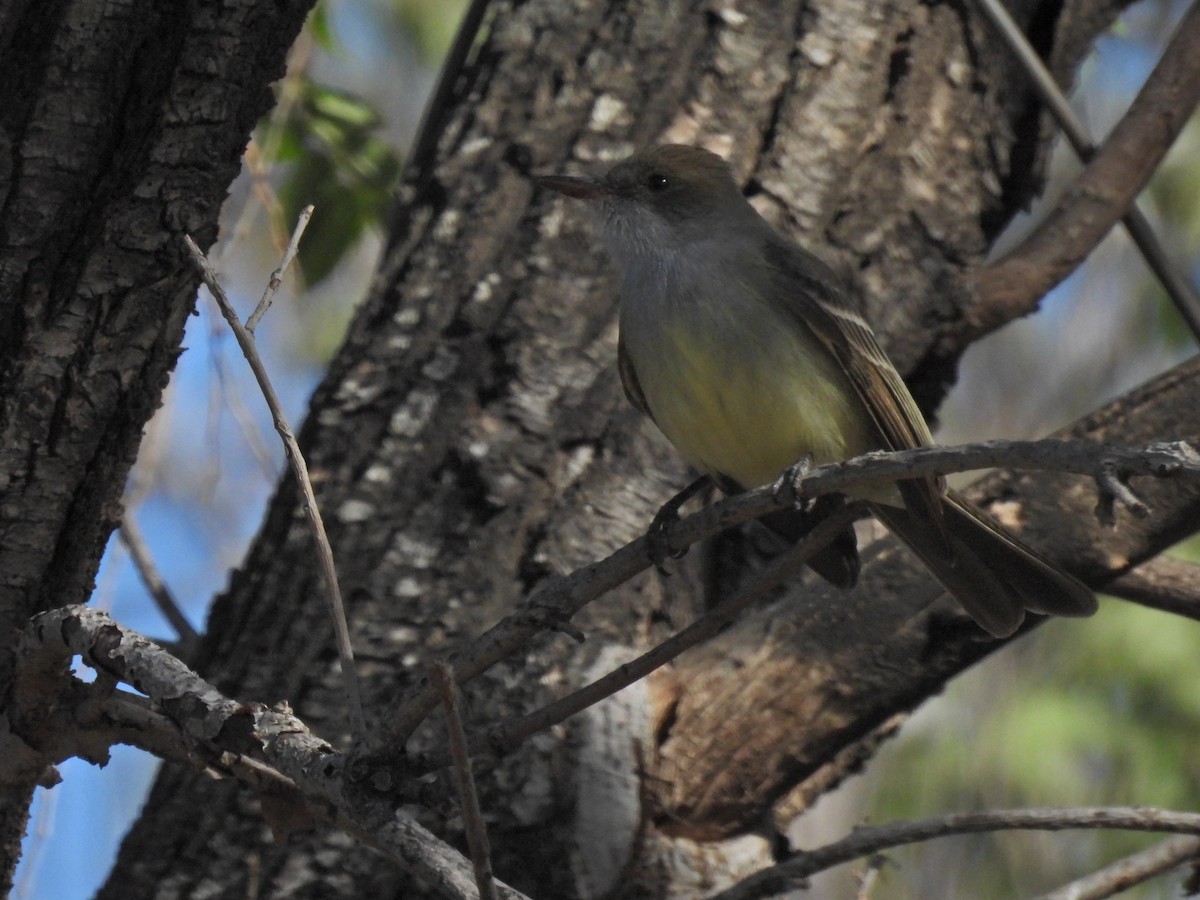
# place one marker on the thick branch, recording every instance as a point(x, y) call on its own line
point(1181, 291)
point(1012, 286)
point(1166, 583)
point(231, 730)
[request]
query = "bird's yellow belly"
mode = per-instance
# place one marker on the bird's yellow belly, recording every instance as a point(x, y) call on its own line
point(749, 413)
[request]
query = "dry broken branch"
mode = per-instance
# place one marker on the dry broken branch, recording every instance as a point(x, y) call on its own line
point(260, 746)
point(299, 467)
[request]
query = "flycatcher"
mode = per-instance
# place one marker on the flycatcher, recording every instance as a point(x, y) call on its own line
point(747, 353)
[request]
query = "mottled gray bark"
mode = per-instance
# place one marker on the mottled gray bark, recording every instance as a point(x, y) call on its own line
point(121, 126)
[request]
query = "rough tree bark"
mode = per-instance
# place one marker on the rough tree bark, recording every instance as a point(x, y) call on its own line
point(122, 125)
point(470, 441)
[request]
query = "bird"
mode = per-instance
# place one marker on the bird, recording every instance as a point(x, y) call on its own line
point(747, 352)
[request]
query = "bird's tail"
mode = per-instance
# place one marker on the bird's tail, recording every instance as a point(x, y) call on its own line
point(993, 575)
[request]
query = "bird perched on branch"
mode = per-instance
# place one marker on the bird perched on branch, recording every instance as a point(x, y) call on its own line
point(746, 352)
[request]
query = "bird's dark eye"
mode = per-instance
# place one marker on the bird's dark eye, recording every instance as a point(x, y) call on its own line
point(657, 182)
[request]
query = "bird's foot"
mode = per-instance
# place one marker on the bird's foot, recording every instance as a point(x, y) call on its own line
point(658, 535)
point(789, 485)
point(658, 539)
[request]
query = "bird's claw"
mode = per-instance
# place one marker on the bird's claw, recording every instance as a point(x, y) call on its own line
point(658, 538)
point(789, 483)
point(658, 543)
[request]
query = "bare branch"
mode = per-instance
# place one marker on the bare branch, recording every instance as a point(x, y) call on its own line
point(1013, 285)
point(849, 760)
point(1111, 467)
point(868, 878)
point(503, 738)
point(135, 543)
point(300, 472)
point(477, 838)
point(1165, 583)
point(225, 395)
point(870, 840)
point(562, 598)
point(259, 746)
point(276, 278)
point(1133, 869)
point(1178, 288)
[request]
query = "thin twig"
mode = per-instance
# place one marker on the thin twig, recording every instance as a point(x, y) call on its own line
point(1099, 197)
point(226, 396)
point(502, 738)
point(1133, 869)
point(1114, 489)
point(276, 278)
point(300, 472)
point(477, 837)
point(1111, 467)
point(131, 536)
point(870, 876)
point(1179, 289)
point(562, 598)
point(875, 839)
point(851, 759)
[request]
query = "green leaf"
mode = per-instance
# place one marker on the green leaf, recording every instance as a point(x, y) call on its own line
point(338, 163)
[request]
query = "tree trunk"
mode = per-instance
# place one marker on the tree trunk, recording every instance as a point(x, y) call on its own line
point(121, 127)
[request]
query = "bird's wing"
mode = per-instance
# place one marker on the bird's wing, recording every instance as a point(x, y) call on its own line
point(822, 306)
point(629, 379)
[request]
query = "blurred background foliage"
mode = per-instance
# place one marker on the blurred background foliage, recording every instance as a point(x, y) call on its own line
point(1082, 713)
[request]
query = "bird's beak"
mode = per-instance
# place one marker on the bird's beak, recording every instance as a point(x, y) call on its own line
point(577, 188)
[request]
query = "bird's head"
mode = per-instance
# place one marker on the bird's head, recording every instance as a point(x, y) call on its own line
point(660, 199)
